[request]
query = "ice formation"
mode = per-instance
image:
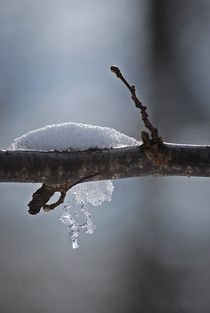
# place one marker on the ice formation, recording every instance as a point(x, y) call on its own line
point(77, 136)
point(82, 196)
point(71, 222)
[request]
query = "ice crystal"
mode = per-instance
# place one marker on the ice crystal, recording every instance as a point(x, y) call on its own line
point(94, 193)
point(71, 222)
point(88, 226)
point(82, 197)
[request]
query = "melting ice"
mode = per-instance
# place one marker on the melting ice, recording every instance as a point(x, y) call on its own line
point(82, 197)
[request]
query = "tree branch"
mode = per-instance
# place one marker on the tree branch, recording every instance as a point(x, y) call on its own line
point(156, 139)
point(59, 171)
point(80, 166)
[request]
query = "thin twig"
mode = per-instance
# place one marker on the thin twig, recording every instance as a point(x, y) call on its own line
point(41, 197)
point(143, 109)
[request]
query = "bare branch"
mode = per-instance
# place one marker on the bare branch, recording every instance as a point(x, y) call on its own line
point(143, 109)
point(59, 171)
point(44, 194)
point(40, 198)
point(52, 206)
point(80, 166)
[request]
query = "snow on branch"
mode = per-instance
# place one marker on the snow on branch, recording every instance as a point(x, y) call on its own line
point(65, 169)
point(73, 138)
point(64, 155)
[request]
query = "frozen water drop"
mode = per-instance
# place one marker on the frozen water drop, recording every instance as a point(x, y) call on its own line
point(75, 244)
point(74, 235)
point(65, 219)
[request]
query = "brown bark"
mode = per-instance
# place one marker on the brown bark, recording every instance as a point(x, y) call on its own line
point(97, 164)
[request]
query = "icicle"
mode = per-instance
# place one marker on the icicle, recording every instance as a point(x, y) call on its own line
point(89, 227)
point(81, 197)
point(72, 224)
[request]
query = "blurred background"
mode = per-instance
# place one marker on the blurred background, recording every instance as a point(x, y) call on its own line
point(151, 250)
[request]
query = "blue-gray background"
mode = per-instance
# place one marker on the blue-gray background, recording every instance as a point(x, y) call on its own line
point(151, 250)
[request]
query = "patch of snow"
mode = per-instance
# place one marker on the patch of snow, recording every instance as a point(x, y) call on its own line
point(71, 135)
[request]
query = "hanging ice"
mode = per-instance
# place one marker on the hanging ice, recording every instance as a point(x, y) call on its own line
point(77, 136)
point(94, 193)
point(88, 226)
point(71, 222)
point(82, 196)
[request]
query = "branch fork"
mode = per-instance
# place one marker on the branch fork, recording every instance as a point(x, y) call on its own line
point(152, 146)
point(152, 151)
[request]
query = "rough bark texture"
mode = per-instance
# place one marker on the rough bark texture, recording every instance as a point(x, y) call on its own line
point(43, 195)
point(98, 164)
